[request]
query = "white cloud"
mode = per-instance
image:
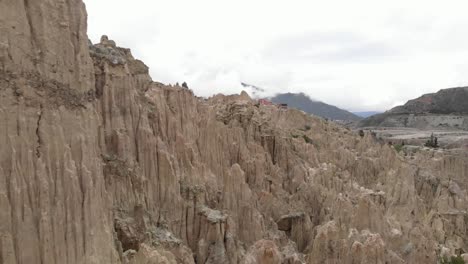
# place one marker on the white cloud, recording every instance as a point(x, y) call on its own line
point(358, 55)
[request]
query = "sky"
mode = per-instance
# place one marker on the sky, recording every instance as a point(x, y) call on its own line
point(359, 55)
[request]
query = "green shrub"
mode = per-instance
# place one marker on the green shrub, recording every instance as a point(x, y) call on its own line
point(432, 142)
point(361, 133)
point(398, 147)
point(305, 128)
point(453, 260)
point(294, 136)
point(307, 139)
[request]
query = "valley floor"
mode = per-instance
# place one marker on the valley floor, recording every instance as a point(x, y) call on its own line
point(451, 139)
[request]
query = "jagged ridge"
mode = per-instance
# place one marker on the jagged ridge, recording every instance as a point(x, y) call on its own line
point(140, 172)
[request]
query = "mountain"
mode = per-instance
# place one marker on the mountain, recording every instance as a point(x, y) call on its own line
point(445, 101)
point(101, 164)
point(366, 114)
point(306, 104)
point(446, 109)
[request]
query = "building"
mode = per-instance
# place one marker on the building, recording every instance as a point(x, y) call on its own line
point(265, 102)
point(283, 106)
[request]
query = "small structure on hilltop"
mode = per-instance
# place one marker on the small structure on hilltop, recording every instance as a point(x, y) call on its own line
point(268, 102)
point(265, 102)
point(283, 106)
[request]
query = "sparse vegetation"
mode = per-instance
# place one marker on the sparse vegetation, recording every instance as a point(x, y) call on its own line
point(398, 147)
point(405, 122)
point(307, 139)
point(361, 133)
point(432, 142)
point(117, 167)
point(306, 128)
point(453, 260)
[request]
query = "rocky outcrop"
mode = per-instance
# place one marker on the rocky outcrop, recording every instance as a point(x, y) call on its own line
point(48, 38)
point(99, 164)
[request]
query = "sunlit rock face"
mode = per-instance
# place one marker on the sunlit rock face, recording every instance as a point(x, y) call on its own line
point(99, 164)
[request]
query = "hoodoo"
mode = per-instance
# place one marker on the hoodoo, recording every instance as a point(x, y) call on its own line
point(99, 164)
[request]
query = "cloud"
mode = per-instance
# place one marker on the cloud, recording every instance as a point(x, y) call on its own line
point(328, 47)
point(358, 55)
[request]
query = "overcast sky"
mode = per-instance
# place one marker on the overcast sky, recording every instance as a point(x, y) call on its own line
point(358, 55)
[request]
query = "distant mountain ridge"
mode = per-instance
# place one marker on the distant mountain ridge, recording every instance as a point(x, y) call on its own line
point(448, 108)
point(445, 101)
point(303, 102)
point(366, 114)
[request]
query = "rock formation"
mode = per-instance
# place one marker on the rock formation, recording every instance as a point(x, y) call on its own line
point(99, 164)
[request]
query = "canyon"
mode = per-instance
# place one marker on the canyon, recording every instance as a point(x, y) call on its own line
point(101, 164)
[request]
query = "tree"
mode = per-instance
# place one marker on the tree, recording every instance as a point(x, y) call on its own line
point(184, 84)
point(398, 147)
point(361, 133)
point(432, 142)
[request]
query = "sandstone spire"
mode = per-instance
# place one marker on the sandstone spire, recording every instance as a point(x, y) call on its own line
point(99, 164)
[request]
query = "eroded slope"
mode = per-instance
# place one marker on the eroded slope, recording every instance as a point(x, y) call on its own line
point(99, 164)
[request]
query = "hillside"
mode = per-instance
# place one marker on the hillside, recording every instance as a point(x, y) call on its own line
point(101, 164)
point(446, 109)
point(366, 114)
point(445, 101)
point(306, 104)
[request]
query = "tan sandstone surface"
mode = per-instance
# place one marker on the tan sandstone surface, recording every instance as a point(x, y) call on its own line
point(99, 164)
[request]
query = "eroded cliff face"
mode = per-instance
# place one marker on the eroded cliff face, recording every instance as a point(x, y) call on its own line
point(99, 164)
